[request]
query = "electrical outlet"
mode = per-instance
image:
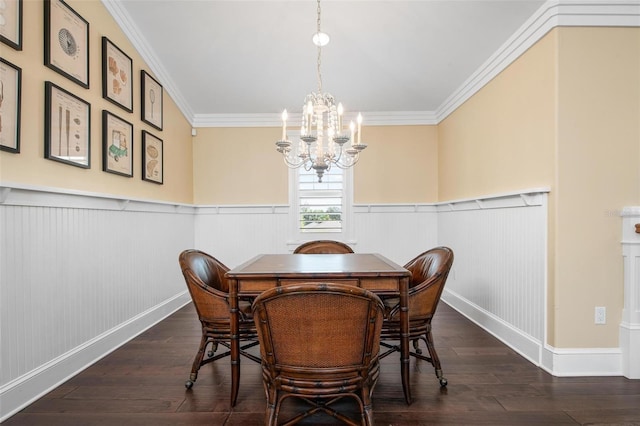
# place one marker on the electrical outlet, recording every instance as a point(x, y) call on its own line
point(601, 315)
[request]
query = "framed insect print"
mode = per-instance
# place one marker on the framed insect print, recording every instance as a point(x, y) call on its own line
point(11, 23)
point(117, 70)
point(10, 97)
point(152, 158)
point(117, 145)
point(151, 100)
point(66, 42)
point(67, 127)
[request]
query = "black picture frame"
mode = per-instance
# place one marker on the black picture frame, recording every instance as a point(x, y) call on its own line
point(66, 42)
point(10, 106)
point(11, 28)
point(151, 100)
point(152, 158)
point(117, 75)
point(60, 128)
point(117, 145)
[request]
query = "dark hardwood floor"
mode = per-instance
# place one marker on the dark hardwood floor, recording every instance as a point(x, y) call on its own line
point(142, 383)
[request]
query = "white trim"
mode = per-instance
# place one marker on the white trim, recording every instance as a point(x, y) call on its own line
point(31, 195)
point(574, 362)
point(552, 14)
point(524, 344)
point(24, 390)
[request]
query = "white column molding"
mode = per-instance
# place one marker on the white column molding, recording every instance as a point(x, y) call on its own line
point(630, 325)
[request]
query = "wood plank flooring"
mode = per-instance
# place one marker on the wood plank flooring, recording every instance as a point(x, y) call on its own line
point(142, 383)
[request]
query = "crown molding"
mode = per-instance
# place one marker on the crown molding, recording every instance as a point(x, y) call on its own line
point(378, 118)
point(552, 14)
point(555, 13)
point(123, 19)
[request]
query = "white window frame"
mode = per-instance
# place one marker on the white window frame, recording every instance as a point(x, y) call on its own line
point(297, 237)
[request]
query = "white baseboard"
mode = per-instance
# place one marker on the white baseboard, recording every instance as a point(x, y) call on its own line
point(24, 390)
point(517, 340)
point(558, 362)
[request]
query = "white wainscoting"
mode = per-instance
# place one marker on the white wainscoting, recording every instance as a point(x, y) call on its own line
point(498, 279)
point(80, 274)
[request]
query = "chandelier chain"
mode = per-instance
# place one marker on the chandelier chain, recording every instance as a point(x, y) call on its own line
point(319, 53)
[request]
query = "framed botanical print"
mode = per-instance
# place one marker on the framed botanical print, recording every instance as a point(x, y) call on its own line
point(152, 158)
point(151, 100)
point(67, 131)
point(117, 145)
point(66, 42)
point(11, 23)
point(10, 97)
point(117, 70)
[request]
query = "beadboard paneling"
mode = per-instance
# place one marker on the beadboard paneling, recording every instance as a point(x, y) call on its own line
point(499, 273)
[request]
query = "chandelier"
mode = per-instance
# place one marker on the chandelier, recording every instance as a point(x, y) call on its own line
point(324, 141)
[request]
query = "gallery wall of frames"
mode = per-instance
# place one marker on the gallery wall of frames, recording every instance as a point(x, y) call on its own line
point(67, 120)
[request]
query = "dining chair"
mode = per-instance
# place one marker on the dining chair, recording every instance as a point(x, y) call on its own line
point(429, 272)
point(323, 247)
point(319, 343)
point(209, 289)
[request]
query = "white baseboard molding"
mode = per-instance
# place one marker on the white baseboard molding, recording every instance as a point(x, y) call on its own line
point(630, 345)
point(558, 362)
point(520, 342)
point(575, 362)
point(24, 390)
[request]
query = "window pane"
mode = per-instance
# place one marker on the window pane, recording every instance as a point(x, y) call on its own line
point(320, 203)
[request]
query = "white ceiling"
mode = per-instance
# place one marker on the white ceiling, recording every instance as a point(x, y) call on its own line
point(256, 57)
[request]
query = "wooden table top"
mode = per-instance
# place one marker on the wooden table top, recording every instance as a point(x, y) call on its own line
point(318, 265)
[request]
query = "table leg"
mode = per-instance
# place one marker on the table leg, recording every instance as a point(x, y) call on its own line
point(404, 338)
point(235, 342)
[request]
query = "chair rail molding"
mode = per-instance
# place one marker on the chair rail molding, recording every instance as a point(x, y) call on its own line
point(630, 324)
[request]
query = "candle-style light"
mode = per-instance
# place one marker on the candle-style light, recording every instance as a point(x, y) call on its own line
point(324, 147)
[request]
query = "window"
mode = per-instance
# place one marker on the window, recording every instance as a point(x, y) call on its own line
point(320, 204)
point(319, 210)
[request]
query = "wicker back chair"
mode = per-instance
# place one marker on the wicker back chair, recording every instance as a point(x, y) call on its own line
point(429, 272)
point(323, 247)
point(205, 279)
point(319, 342)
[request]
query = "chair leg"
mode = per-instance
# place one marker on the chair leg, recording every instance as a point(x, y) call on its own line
point(434, 358)
point(196, 362)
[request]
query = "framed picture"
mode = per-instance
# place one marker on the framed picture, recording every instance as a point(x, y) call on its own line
point(66, 42)
point(117, 145)
point(67, 130)
point(11, 23)
point(117, 70)
point(10, 96)
point(152, 158)
point(151, 100)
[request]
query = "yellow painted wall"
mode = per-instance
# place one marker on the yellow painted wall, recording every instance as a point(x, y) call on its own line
point(502, 138)
point(31, 168)
point(241, 166)
point(565, 115)
point(400, 165)
point(238, 166)
point(598, 174)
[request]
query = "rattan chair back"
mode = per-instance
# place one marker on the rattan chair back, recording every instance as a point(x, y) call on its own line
point(318, 342)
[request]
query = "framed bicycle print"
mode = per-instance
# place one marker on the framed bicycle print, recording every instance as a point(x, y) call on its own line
point(152, 158)
point(117, 69)
point(66, 42)
point(10, 97)
point(11, 23)
point(151, 100)
point(67, 131)
point(117, 145)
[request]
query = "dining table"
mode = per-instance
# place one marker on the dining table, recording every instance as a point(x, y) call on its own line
point(371, 271)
